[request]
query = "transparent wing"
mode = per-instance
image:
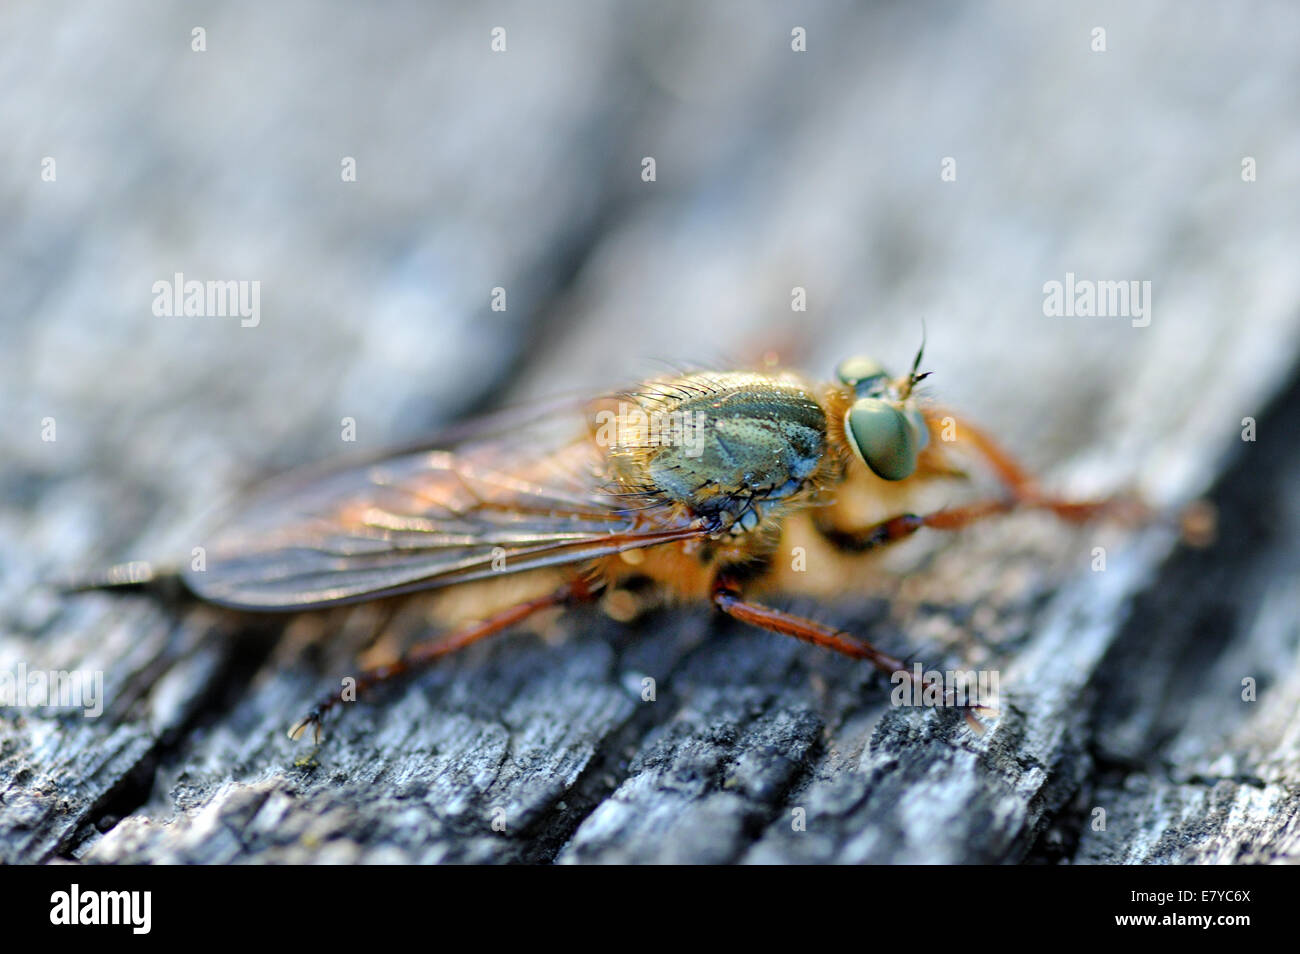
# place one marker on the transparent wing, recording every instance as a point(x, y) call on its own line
point(537, 496)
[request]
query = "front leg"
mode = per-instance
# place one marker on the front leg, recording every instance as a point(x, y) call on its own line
point(1021, 492)
point(1021, 486)
point(904, 525)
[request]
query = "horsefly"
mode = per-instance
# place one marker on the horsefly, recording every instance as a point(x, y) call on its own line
point(693, 486)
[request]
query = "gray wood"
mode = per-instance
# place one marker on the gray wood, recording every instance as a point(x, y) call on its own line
point(1122, 689)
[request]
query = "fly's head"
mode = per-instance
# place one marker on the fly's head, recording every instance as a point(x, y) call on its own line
point(883, 425)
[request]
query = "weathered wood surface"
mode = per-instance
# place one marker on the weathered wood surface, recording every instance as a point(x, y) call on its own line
point(1122, 689)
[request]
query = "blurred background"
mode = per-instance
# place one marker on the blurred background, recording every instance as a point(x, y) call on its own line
point(899, 163)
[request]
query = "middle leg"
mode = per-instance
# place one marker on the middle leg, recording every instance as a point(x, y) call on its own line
point(727, 596)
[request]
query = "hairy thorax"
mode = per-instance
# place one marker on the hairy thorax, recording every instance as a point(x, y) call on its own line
point(737, 450)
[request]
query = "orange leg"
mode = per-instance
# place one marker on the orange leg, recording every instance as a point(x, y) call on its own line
point(1022, 492)
point(1023, 487)
point(425, 654)
point(727, 597)
point(904, 525)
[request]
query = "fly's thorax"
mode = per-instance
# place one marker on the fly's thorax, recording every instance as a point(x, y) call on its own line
point(724, 445)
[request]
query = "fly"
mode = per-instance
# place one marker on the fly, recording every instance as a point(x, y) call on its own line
point(689, 488)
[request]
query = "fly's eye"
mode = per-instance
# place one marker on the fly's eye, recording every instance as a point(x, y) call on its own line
point(884, 437)
point(855, 371)
point(919, 428)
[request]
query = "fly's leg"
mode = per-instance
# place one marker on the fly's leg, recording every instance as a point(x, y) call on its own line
point(727, 597)
point(1196, 522)
point(905, 524)
point(425, 654)
point(1023, 489)
point(1022, 493)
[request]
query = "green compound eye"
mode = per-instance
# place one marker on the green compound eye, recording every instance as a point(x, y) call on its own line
point(883, 437)
point(853, 371)
point(919, 428)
